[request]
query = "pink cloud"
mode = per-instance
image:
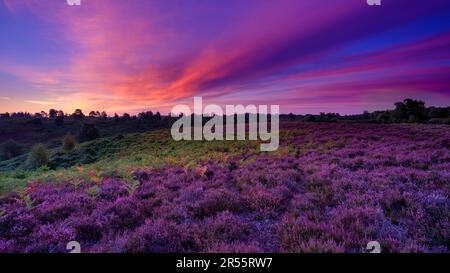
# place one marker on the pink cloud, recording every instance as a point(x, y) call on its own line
point(125, 55)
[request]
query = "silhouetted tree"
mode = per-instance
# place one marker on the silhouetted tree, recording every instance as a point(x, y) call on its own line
point(5, 115)
point(400, 112)
point(78, 114)
point(116, 117)
point(146, 115)
point(52, 113)
point(94, 114)
point(21, 115)
point(409, 107)
point(126, 116)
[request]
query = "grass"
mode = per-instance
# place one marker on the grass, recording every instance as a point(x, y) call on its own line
point(118, 156)
point(328, 188)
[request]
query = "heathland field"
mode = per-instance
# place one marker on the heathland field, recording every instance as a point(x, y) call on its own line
point(330, 187)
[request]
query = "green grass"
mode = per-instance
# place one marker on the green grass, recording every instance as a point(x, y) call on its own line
point(118, 156)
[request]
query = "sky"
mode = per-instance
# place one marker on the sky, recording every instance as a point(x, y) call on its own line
point(306, 56)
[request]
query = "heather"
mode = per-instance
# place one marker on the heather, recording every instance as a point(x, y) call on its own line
point(331, 187)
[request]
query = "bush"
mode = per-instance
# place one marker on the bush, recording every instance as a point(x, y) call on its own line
point(10, 149)
point(38, 156)
point(411, 110)
point(88, 132)
point(69, 142)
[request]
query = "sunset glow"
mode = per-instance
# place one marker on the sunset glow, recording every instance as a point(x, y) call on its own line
point(307, 56)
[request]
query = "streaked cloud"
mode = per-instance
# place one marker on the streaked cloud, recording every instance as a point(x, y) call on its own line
point(316, 55)
point(41, 102)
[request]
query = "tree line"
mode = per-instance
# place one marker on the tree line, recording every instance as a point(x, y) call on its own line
point(406, 111)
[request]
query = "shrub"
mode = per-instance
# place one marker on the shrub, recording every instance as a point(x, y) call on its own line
point(409, 109)
point(69, 142)
point(225, 227)
point(123, 214)
point(370, 185)
point(16, 224)
point(160, 236)
point(218, 201)
point(38, 156)
point(10, 149)
point(88, 231)
point(49, 238)
point(88, 132)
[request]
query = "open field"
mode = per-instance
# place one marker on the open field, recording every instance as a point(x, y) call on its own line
point(330, 187)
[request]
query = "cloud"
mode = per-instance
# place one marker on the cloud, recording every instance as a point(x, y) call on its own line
point(33, 74)
point(41, 102)
point(136, 54)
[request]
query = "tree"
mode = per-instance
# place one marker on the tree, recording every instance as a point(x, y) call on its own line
point(409, 110)
point(400, 112)
point(78, 114)
point(146, 115)
point(69, 142)
point(52, 113)
point(94, 114)
point(415, 108)
point(126, 116)
point(38, 156)
point(5, 115)
point(116, 117)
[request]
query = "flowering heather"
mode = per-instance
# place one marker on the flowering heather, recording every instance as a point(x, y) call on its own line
point(329, 188)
